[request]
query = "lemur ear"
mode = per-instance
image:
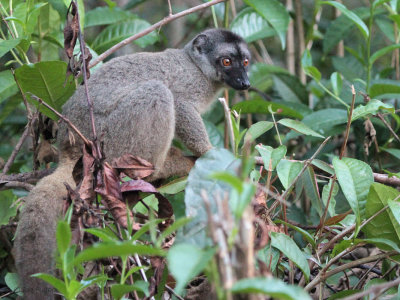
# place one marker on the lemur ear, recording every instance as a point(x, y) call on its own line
point(201, 43)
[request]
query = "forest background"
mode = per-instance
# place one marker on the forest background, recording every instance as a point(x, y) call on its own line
point(298, 199)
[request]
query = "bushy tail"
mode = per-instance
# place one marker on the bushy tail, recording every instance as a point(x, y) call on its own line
point(35, 241)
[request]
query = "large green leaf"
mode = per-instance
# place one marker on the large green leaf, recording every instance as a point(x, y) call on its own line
point(323, 121)
point(119, 290)
point(214, 134)
point(46, 81)
point(251, 26)
point(185, 261)
point(271, 156)
point(372, 107)
point(7, 207)
point(63, 235)
point(7, 45)
point(287, 171)
point(199, 181)
point(261, 107)
point(299, 127)
point(385, 88)
point(309, 182)
point(115, 33)
point(385, 225)
point(103, 250)
point(273, 287)
point(355, 178)
point(258, 129)
point(382, 52)
point(339, 29)
point(8, 87)
point(104, 15)
point(275, 13)
point(289, 248)
point(352, 16)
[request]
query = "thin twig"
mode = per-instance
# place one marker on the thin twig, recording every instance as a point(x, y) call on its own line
point(228, 122)
point(346, 136)
point(153, 27)
point(28, 177)
point(388, 127)
point(89, 99)
point(28, 109)
point(72, 126)
point(375, 289)
point(7, 185)
point(16, 150)
point(321, 277)
point(171, 290)
point(306, 164)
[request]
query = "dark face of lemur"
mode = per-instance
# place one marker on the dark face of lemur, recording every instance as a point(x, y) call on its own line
point(228, 57)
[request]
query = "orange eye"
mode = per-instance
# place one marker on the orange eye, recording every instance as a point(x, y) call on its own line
point(226, 62)
point(245, 62)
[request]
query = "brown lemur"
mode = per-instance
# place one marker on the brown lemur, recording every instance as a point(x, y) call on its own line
point(141, 102)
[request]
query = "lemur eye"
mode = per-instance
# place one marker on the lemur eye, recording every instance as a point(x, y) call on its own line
point(226, 62)
point(245, 62)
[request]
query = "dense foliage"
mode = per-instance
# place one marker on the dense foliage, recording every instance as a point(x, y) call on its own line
point(302, 203)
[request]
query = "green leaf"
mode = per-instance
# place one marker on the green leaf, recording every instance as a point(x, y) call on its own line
point(307, 237)
point(271, 156)
point(119, 290)
point(289, 248)
point(339, 29)
point(378, 2)
point(63, 236)
point(105, 15)
point(307, 65)
point(7, 206)
point(371, 108)
point(325, 196)
point(299, 127)
point(54, 281)
point(186, 261)
point(351, 15)
point(8, 87)
point(12, 281)
point(355, 178)
point(232, 180)
point(287, 171)
point(385, 88)
point(275, 13)
point(115, 33)
point(258, 129)
point(385, 225)
point(309, 182)
point(273, 287)
point(105, 234)
point(336, 81)
point(394, 207)
point(392, 151)
point(251, 26)
point(214, 134)
point(7, 45)
point(174, 187)
point(102, 250)
point(261, 107)
point(46, 81)
point(382, 52)
point(200, 181)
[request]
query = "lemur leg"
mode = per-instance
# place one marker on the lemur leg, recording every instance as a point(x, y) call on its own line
point(190, 128)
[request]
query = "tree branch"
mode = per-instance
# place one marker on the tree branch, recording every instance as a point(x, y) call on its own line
point(153, 27)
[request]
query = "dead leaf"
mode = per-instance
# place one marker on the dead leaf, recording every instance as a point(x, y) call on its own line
point(71, 31)
point(133, 166)
point(112, 196)
point(370, 135)
point(336, 219)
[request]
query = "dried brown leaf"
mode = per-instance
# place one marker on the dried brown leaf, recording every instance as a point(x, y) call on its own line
point(133, 166)
point(71, 31)
point(370, 135)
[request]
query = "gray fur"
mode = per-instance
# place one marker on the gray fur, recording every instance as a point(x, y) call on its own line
point(141, 101)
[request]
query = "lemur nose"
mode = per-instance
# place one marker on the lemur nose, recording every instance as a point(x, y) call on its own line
point(244, 83)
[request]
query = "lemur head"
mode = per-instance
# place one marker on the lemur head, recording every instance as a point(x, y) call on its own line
point(222, 56)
